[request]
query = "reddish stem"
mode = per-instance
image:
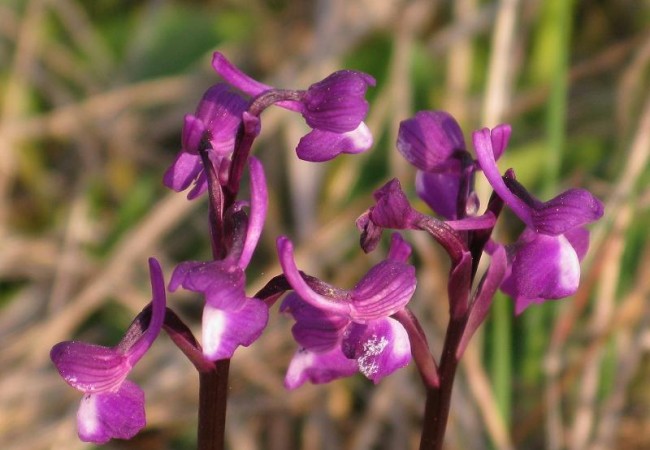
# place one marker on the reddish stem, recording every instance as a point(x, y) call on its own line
point(436, 412)
point(213, 393)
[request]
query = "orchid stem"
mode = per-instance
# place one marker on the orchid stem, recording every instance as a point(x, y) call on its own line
point(213, 393)
point(436, 411)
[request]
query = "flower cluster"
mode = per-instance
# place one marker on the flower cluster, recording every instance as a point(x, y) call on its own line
point(369, 328)
point(215, 153)
point(544, 262)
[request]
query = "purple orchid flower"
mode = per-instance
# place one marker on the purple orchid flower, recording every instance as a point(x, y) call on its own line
point(214, 125)
point(112, 406)
point(433, 142)
point(341, 332)
point(334, 108)
point(230, 318)
point(544, 263)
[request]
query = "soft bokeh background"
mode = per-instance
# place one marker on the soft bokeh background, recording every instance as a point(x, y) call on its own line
point(92, 95)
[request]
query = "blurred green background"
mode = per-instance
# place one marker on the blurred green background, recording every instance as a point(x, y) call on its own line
point(92, 97)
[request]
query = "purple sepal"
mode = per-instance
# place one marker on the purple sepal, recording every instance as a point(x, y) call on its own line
point(221, 111)
point(380, 347)
point(542, 268)
point(486, 161)
point(393, 209)
point(337, 103)
point(399, 249)
point(222, 284)
point(259, 204)
point(318, 368)
point(231, 74)
point(570, 209)
point(370, 233)
point(89, 367)
point(500, 137)
point(230, 318)
point(429, 140)
point(193, 132)
point(385, 289)
point(319, 145)
point(314, 329)
point(579, 239)
point(439, 191)
point(185, 169)
point(112, 414)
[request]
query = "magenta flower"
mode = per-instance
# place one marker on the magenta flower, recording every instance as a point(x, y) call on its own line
point(214, 126)
point(334, 108)
point(343, 331)
point(230, 318)
point(433, 142)
point(430, 141)
point(545, 262)
point(112, 406)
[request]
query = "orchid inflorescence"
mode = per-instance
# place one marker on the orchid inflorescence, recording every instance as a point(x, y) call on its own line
point(339, 332)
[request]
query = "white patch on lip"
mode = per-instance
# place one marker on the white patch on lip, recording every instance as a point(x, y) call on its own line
point(301, 361)
point(371, 348)
point(87, 416)
point(360, 137)
point(568, 265)
point(214, 327)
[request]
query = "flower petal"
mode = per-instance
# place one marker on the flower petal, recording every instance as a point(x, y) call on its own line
point(399, 249)
point(379, 347)
point(315, 329)
point(119, 414)
point(500, 136)
point(183, 171)
point(221, 283)
point(486, 159)
point(319, 145)
point(192, 134)
point(393, 209)
point(226, 329)
point(89, 367)
point(137, 349)
point(385, 289)
point(429, 140)
point(318, 367)
point(259, 204)
point(579, 238)
point(570, 209)
point(439, 191)
point(328, 305)
point(337, 103)
point(220, 110)
point(544, 268)
point(230, 73)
